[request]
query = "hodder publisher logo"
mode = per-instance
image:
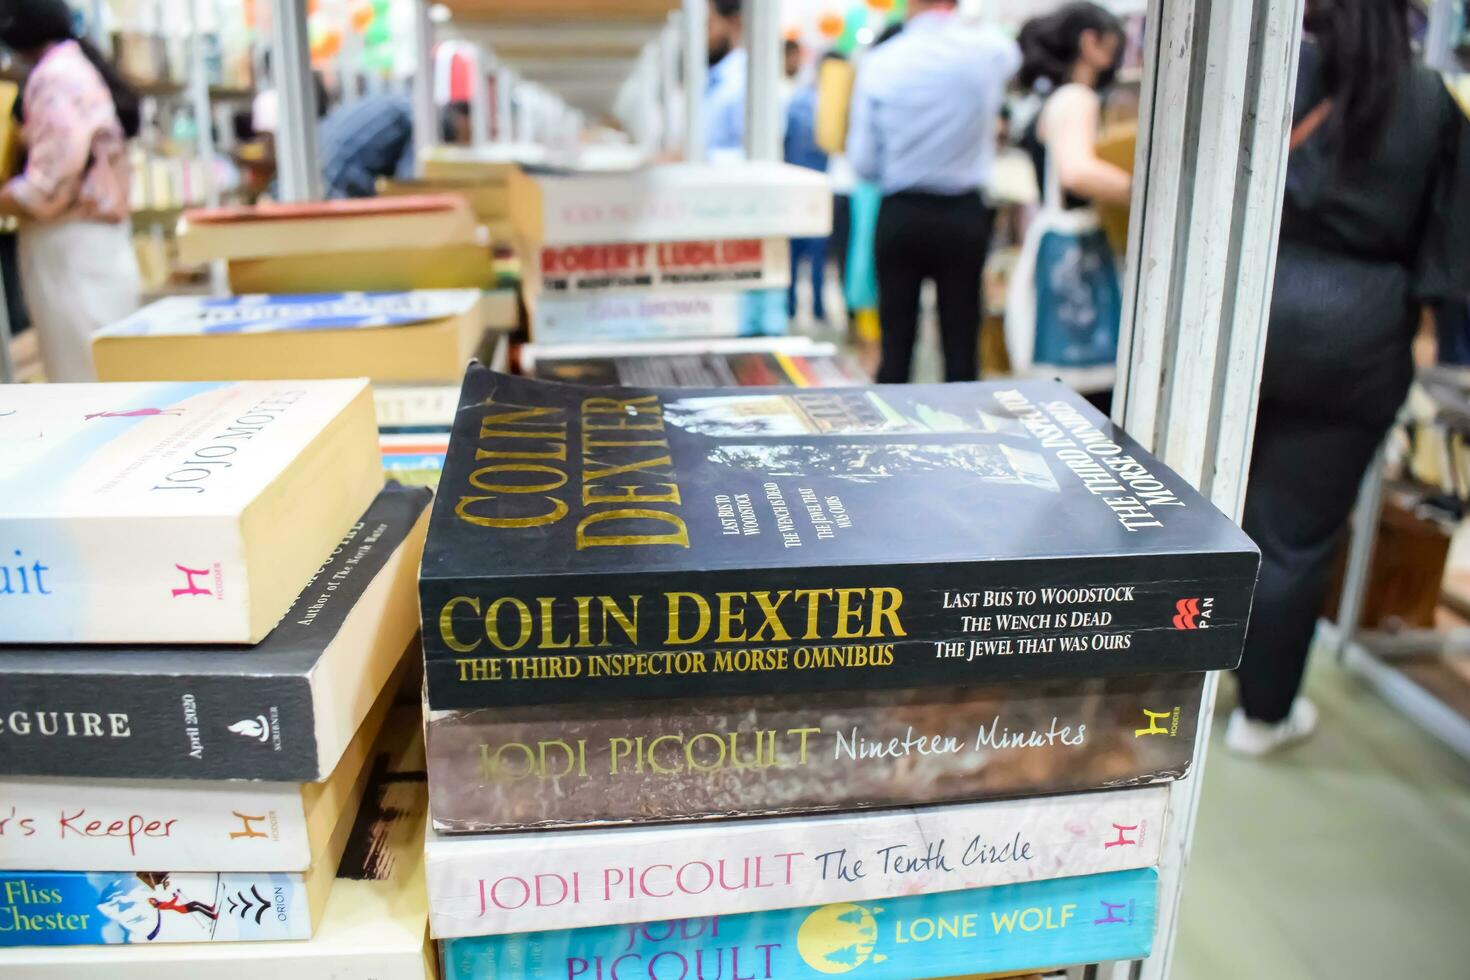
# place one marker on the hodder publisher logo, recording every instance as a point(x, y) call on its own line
point(1156, 724)
point(1193, 614)
point(207, 581)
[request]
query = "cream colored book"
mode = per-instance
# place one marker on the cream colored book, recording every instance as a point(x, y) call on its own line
point(374, 925)
point(407, 267)
point(490, 200)
point(174, 513)
point(330, 226)
point(418, 336)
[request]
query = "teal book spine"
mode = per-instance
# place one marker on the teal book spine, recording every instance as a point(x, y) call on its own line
point(1033, 925)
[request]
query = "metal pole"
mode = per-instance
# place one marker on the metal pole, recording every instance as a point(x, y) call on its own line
point(204, 131)
point(668, 79)
point(425, 125)
point(1360, 553)
point(649, 130)
point(297, 170)
point(7, 360)
point(764, 125)
point(505, 83)
point(479, 100)
point(696, 68)
point(1214, 120)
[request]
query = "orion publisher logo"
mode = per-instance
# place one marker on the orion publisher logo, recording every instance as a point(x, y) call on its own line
point(1193, 614)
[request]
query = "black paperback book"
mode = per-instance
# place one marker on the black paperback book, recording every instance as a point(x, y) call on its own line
point(616, 543)
point(221, 712)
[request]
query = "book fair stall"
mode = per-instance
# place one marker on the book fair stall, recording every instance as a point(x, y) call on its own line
point(473, 568)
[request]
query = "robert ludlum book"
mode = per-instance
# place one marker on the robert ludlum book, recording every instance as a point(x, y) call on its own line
point(602, 544)
point(283, 710)
point(174, 513)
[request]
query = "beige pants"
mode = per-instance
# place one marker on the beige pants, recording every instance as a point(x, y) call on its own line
point(76, 276)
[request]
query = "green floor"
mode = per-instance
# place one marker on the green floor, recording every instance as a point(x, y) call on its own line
point(1346, 857)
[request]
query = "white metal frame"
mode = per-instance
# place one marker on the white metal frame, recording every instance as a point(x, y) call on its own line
point(764, 115)
point(1215, 116)
point(298, 174)
point(695, 26)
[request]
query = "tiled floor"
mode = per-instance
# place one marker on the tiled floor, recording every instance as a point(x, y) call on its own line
point(1346, 858)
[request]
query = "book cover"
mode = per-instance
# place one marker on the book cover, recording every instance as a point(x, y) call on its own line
point(214, 315)
point(588, 764)
point(670, 202)
point(489, 885)
point(467, 265)
point(747, 362)
point(375, 922)
point(652, 543)
point(282, 710)
point(657, 315)
point(1038, 924)
point(748, 263)
point(361, 224)
point(154, 513)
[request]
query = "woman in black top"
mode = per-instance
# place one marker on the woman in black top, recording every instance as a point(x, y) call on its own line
point(1374, 224)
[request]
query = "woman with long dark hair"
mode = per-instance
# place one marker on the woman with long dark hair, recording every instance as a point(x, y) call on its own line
point(1373, 226)
point(77, 267)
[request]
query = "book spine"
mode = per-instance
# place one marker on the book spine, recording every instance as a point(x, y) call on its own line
point(481, 886)
point(490, 642)
point(665, 315)
point(565, 765)
point(584, 212)
point(125, 581)
point(67, 825)
point(58, 908)
point(303, 961)
point(1035, 925)
point(158, 726)
point(579, 270)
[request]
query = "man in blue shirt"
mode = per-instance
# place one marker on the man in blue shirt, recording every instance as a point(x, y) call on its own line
point(724, 93)
point(800, 149)
point(923, 127)
point(364, 140)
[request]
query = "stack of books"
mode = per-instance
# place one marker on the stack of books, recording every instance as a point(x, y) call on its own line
point(667, 252)
point(208, 605)
point(743, 362)
point(367, 244)
point(784, 683)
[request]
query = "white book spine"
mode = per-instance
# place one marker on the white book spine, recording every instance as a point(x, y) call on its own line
point(214, 961)
point(663, 315)
point(583, 270)
point(591, 210)
point(124, 825)
point(480, 886)
point(137, 580)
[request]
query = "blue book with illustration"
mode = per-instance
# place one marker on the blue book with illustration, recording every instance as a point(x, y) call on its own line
point(1034, 925)
point(57, 908)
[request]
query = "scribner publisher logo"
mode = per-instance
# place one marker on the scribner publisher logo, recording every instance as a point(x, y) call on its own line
point(1193, 614)
point(257, 728)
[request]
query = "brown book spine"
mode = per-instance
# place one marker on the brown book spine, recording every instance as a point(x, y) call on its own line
point(600, 764)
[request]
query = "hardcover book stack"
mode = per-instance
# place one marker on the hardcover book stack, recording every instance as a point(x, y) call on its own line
point(667, 252)
point(207, 603)
point(781, 683)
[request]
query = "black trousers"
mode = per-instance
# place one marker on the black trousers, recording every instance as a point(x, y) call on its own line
point(943, 237)
point(1337, 368)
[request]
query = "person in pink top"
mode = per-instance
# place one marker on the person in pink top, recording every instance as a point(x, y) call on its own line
point(78, 271)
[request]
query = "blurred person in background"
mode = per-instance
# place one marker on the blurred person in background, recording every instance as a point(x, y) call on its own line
point(78, 270)
point(923, 125)
point(1374, 224)
point(800, 149)
point(1069, 57)
point(724, 92)
point(364, 140)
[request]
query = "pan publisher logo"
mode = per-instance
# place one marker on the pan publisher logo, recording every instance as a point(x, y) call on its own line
point(1193, 614)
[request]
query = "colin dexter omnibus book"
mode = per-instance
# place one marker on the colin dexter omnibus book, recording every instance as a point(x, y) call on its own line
point(597, 544)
